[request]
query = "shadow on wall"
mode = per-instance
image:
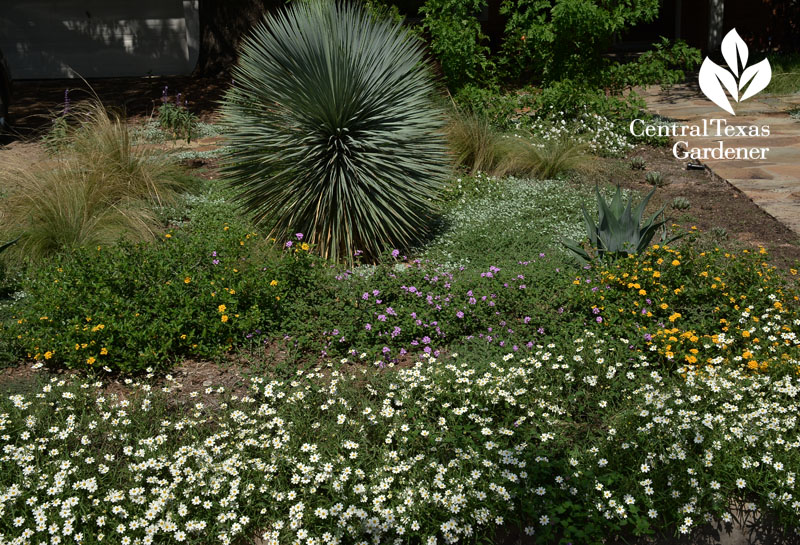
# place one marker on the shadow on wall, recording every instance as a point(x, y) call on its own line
point(44, 39)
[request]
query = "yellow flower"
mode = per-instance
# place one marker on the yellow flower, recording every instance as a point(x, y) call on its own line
point(663, 306)
point(222, 308)
point(642, 292)
point(187, 280)
point(224, 318)
point(656, 274)
point(745, 334)
point(273, 283)
point(48, 355)
point(675, 316)
point(675, 262)
point(304, 246)
point(183, 337)
point(226, 228)
point(167, 236)
point(90, 360)
point(691, 359)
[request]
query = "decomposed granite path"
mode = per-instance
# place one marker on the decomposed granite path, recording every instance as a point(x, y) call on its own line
point(773, 183)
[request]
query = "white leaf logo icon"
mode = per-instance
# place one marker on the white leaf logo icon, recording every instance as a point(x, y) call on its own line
point(715, 80)
point(760, 73)
point(733, 49)
point(712, 78)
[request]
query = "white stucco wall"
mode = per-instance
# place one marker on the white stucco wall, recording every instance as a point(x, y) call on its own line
point(99, 38)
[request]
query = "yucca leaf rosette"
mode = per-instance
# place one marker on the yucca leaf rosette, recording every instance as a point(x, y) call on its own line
point(333, 131)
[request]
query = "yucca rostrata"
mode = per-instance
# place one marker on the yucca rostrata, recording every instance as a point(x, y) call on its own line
point(333, 131)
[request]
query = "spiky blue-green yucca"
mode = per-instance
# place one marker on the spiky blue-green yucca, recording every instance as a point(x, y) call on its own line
point(332, 129)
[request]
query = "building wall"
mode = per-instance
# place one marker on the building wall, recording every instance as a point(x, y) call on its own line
point(44, 39)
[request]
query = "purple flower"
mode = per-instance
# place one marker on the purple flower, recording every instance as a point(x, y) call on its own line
point(215, 261)
point(595, 310)
point(365, 296)
point(395, 253)
point(376, 293)
point(540, 331)
point(648, 337)
point(289, 244)
point(386, 349)
point(599, 319)
point(526, 320)
point(426, 340)
point(299, 236)
point(459, 314)
point(368, 327)
point(382, 317)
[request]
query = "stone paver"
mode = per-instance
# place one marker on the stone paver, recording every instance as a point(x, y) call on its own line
point(772, 183)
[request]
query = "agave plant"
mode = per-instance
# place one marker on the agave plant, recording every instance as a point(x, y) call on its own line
point(619, 231)
point(333, 131)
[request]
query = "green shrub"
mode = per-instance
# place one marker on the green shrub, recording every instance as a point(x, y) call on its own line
point(503, 110)
point(456, 40)
point(666, 64)
point(96, 189)
point(553, 40)
point(333, 132)
point(133, 306)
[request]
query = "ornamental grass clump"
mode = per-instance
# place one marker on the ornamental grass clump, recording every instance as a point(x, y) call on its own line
point(333, 131)
point(94, 189)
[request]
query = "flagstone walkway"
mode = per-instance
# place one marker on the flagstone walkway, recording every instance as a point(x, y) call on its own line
point(772, 183)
